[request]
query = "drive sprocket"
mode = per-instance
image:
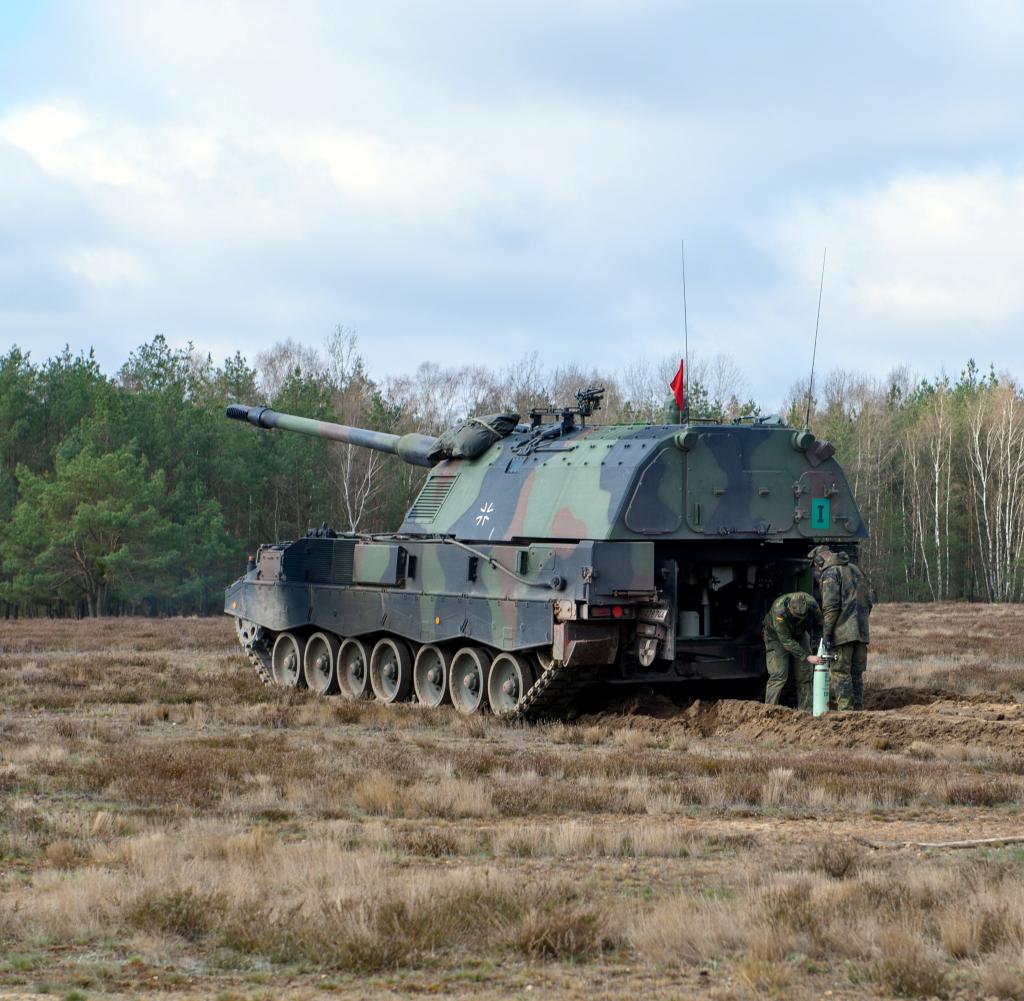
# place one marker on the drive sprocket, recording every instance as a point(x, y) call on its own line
point(255, 642)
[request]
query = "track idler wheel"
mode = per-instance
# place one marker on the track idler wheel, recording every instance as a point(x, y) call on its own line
point(319, 662)
point(391, 670)
point(353, 670)
point(286, 662)
point(430, 674)
point(544, 661)
point(510, 679)
point(468, 679)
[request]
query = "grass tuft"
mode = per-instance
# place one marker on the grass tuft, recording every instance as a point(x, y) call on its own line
point(433, 842)
point(836, 859)
point(564, 930)
point(185, 912)
point(982, 792)
point(907, 968)
point(1003, 977)
point(378, 795)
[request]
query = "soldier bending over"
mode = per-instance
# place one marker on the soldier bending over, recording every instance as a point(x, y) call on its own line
point(787, 646)
point(845, 606)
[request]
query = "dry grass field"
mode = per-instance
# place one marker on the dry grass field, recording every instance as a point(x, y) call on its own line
point(170, 828)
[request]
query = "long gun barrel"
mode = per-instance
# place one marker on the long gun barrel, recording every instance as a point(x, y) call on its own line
point(416, 449)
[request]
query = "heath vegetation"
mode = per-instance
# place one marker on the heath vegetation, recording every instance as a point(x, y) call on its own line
point(168, 823)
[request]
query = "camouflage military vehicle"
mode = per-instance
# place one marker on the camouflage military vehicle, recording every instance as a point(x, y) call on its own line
point(548, 557)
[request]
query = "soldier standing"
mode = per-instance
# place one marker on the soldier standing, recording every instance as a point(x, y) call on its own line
point(787, 646)
point(845, 606)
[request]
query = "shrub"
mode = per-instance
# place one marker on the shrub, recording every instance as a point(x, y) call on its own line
point(184, 912)
point(567, 930)
point(62, 854)
point(432, 841)
point(686, 929)
point(67, 729)
point(378, 794)
point(565, 733)
point(906, 968)
point(1003, 978)
point(981, 793)
point(836, 859)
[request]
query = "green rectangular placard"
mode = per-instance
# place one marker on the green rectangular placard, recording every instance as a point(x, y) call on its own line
point(821, 515)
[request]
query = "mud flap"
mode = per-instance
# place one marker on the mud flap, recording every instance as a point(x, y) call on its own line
point(582, 643)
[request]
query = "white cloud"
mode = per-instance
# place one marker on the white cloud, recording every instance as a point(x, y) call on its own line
point(104, 266)
point(44, 132)
point(63, 141)
point(925, 250)
point(464, 178)
point(924, 269)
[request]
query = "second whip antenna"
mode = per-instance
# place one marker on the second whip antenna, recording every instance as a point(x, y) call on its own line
point(814, 353)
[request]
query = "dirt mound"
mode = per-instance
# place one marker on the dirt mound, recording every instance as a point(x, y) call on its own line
point(991, 725)
point(928, 717)
point(646, 704)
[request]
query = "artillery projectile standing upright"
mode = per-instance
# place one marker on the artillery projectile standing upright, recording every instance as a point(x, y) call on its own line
point(541, 559)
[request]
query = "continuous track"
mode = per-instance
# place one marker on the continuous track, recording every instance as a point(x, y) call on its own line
point(550, 694)
point(553, 691)
point(254, 642)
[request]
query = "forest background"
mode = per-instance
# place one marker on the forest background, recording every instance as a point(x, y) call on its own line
point(132, 494)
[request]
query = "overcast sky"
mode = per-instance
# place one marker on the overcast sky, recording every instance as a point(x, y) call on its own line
point(473, 181)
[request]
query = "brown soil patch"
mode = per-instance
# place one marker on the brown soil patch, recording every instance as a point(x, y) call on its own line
point(936, 718)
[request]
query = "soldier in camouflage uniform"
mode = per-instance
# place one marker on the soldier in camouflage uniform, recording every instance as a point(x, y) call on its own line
point(787, 646)
point(845, 605)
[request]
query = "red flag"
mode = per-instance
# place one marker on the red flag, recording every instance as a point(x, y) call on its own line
point(678, 385)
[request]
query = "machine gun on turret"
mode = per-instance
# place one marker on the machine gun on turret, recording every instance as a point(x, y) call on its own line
point(587, 401)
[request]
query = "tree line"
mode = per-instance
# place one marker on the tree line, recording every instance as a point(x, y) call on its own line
point(131, 493)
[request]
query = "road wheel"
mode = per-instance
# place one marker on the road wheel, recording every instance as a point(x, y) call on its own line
point(353, 670)
point(510, 678)
point(430, 674)
point(319, 662)
point(391, 670)
point(286, 662)
point(467, 682)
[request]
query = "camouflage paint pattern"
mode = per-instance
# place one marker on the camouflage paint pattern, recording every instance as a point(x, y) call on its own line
point(656, 548)
point(445, 592)
point(637, 480)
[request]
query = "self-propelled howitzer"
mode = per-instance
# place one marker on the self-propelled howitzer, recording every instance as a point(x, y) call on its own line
point(546, 558)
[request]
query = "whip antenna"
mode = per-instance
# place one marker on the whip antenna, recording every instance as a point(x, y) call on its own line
point(814, 353)
point(686, 340)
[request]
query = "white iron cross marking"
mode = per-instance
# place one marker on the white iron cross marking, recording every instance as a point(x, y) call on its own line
point(485, 514)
